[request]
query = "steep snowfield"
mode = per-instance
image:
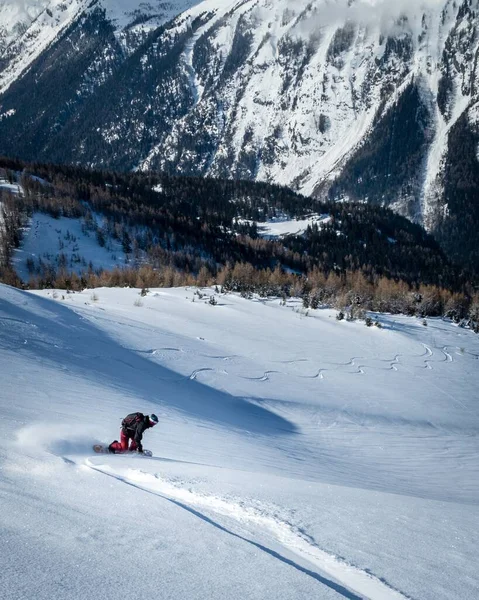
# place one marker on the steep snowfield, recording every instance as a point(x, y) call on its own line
point(308, 81)
point(28, 27)
point(296, 456)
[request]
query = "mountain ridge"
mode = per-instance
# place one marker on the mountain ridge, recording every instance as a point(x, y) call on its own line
point(318, 97)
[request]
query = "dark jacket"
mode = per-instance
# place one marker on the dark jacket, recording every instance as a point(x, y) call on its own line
point(134, 425)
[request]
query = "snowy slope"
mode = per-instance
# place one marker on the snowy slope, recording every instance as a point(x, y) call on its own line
point(28, 27)
point(64, 242)
point(330, 461)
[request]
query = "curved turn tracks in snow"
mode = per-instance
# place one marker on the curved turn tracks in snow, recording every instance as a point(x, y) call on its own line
point(349, 581)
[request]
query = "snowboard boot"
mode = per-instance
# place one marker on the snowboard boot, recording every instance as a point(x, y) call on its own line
point(110, 449)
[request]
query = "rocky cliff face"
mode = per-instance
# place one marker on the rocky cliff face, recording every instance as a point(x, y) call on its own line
point(352, 99)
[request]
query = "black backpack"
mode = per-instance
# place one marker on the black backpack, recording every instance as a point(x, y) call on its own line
point(132, 419)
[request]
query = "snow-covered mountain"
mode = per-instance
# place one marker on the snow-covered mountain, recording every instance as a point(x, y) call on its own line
point(373, 98)
point(29, 27)
point(332, 461)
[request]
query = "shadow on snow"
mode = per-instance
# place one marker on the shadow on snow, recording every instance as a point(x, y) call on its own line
point(46, 330)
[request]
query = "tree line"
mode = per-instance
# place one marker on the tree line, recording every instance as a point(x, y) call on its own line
point(194, 231)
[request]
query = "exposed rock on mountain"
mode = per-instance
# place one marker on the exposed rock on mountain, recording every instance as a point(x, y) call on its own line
point(353, 99)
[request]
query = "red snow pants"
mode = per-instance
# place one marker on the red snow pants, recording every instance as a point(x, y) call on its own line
point(122, 445)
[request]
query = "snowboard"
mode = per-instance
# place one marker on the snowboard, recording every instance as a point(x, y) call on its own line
point(102, 449)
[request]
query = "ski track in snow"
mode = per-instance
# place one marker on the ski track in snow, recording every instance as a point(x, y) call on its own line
point(264, 377)
point(413, 363)
point(351, 580)
point(196, 371)
point(293, 474)
point(428, 360)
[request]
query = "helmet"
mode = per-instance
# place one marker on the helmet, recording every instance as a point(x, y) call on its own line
point(153, 420)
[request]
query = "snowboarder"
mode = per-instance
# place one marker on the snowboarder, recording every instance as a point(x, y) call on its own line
point(132, 428)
